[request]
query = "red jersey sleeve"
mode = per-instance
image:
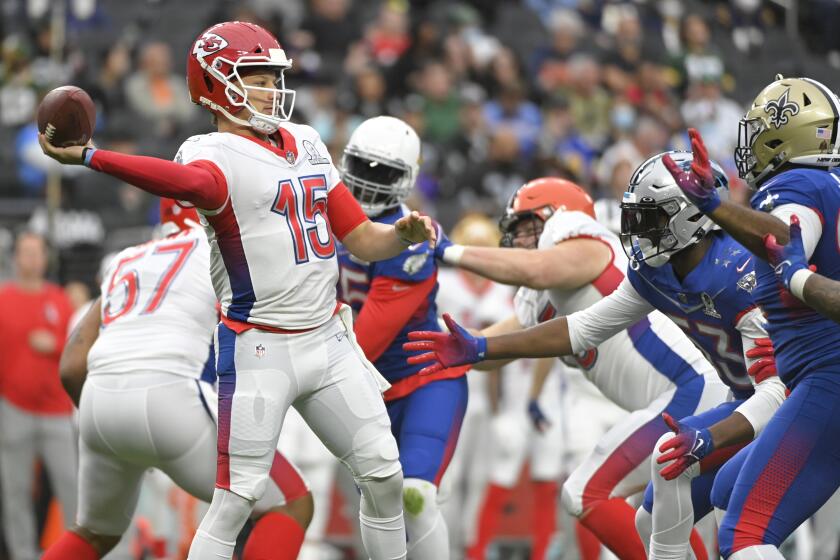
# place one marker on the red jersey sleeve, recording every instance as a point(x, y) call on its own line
point(343, 211)
point(389, 305)
point(200, 182)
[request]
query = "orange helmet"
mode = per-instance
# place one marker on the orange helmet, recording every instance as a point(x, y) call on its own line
point(542, 198)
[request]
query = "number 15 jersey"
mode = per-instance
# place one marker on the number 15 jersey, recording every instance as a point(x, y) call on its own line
point(272, 252)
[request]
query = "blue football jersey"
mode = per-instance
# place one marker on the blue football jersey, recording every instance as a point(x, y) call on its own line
point(415, 264)
point(804, 340)
point(708, 304)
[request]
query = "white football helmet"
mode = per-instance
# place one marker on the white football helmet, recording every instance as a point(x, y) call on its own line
point(657, 219)
point(380, 163)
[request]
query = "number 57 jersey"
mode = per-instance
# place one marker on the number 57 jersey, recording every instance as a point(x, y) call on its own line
point(273, 256)
point(150, 291)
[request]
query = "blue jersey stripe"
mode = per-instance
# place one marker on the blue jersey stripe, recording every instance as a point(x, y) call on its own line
point(659, 354)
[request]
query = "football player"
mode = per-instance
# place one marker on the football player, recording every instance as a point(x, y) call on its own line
point(392, 297)
point(272, 204)
point(140, 352)
point(648, 368)
point(683, 265)
point(788, 140)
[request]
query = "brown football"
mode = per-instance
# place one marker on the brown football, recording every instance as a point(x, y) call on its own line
point(67, 116)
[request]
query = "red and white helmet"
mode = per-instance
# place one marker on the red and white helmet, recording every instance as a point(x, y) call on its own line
point(175, 218)
point(213, 73)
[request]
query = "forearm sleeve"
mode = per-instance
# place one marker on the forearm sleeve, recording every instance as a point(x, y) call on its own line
point(592, 326)
point(200, 183)
point(760, 407)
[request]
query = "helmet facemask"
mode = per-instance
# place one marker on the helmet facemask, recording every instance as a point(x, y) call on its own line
point(230, 73)
point(645, 231)
point(378, 184)
point(515, 227)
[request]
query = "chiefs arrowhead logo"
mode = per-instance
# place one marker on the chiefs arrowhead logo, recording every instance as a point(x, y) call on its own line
point(208, 44)
point(779, 109)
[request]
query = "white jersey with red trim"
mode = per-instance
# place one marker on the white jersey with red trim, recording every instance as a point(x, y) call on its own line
point(639, 363)
point(475, 305)
point(150, 291)
point(273, 256)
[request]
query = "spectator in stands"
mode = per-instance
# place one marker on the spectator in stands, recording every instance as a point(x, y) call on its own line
point(588, 101)
point(388, 38)
point(158, 95)
point(441, 103)
point(560, 141)
point(486, 185)
point(698, 57)
point(35, 412)
point(649, 137)
point(369, 95)
point(708, 110)
point(511, 109)
point(327, 29)
point(549, 64)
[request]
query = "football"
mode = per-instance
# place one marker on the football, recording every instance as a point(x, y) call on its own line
point(67, 116)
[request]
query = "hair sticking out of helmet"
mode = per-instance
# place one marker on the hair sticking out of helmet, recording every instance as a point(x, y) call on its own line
point(791, 121)
point(476, 230)
point(380, 163)
point(541, 199)
point(657, 219)
point(220, 57)
point(175, 218)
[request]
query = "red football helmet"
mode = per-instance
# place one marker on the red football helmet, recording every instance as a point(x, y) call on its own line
point(540, 199)
point(213, 73)
point(175, 218)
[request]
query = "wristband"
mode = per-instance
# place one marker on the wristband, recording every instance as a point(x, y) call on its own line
point(87, 155)
point(797, 282)
point(452, 255)
point(404, 241)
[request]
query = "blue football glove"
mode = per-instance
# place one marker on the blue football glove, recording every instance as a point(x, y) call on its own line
point(538, 419)
point(688, 446)
point(698, 183)
point(787, 259)
point(455, 348)
point(443, 242)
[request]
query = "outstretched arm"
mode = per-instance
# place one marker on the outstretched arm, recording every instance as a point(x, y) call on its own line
point(200, 183)
point(568, 265)
point(372, 241)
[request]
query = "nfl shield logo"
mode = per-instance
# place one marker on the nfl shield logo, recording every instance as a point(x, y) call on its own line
point(260, 351)
point(290, 157)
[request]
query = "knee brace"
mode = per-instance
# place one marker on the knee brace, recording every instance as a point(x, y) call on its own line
point(381, 497)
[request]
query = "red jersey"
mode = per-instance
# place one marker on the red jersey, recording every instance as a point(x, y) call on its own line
point(29, 379)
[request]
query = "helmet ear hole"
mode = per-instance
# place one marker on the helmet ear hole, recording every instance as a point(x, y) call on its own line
point(773, 144)
point(208, 82)
point(805, 99)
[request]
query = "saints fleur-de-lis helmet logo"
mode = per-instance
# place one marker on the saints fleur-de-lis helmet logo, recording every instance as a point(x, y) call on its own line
point(781, 109)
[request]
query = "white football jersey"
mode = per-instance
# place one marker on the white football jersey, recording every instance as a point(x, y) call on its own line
point(639, 363)
point(273, 256)
point(158, 309)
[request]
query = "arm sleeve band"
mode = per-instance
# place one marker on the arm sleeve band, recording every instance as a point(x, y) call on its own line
point(760, 407)
point(592, 326)
point(200, 182)
point(389, 305)
point(809, 220)
point(343, 211)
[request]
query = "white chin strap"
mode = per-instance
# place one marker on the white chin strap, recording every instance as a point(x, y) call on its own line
point(258, 121)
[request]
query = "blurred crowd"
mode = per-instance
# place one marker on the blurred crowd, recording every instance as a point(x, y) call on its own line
point(500, 91)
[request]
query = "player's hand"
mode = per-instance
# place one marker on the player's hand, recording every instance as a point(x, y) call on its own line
point(445, 350)
point(764, 365)
point(688, 446)
point(43, 341)
point(72, 155)
point(538, 419)
point(698, 183)
point(415, 228)
point(786, 260)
